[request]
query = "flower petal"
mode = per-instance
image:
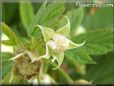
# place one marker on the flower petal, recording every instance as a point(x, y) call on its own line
point(65, 30)
point(74, 45)
point(47, 32)
point(59, 57)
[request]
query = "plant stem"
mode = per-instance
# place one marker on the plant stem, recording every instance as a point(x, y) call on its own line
point(66, 76)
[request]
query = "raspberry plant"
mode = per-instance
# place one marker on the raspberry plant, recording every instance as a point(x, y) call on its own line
point(56, 44)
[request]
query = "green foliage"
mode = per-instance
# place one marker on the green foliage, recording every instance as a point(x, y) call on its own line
point(102, 73)
point(6, 63)
point(6, 79)
point(46, 16)
point(9, 11)
point(98, 37)
point(98, 42)
point(26, 12)
point(103, 18)
point(79, 55)
point(7, 30)
point(17, 80)
point(76, 17)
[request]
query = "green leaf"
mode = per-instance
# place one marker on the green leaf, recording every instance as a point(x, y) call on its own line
point(26, 13)
point(7, 42)
point(45, 16)
point(76, 17)
point(8, 11)
point(16, 79)
point(59, 57)
point(97, 42)
point(7, 30)
point(65, 30)
point(101, 74)
point(103, 18)
point(79, 55)
point(12, 78)
point(6, 63)
point(6, 79)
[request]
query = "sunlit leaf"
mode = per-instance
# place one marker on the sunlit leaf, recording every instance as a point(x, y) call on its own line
point(7, 31)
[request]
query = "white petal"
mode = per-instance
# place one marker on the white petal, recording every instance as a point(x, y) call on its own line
point(60, 39)
point(52, 44)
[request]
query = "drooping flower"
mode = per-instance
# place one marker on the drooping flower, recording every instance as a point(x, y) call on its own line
point(57, 42)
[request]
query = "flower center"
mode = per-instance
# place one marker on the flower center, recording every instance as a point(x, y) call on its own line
point(58, 43)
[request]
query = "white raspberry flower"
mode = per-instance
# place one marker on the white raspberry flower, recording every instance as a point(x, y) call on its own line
point(57, 42)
